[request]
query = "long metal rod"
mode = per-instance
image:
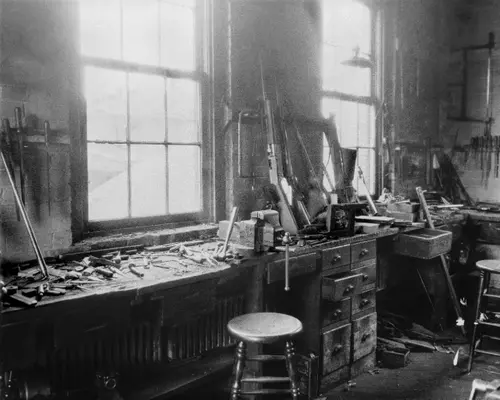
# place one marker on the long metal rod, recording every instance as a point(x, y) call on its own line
point(46, 128)
point(24, 215)
point(444, 267)
point(20, 141)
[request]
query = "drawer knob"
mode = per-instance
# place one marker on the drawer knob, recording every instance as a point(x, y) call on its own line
point(337, 313)
point(337, 348)
point(365, 337)
point(337, 258)
point(349, 289)
point(364, 303)
point(365, 277)
point(363, 252)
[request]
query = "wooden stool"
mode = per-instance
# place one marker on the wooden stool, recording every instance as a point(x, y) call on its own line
point(264, 328)
point(486, 268)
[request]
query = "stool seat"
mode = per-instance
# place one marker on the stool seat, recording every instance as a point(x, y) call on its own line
point(489, 265)
point(264, 327)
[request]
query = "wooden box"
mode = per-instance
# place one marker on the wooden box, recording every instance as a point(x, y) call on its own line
point(423, 243)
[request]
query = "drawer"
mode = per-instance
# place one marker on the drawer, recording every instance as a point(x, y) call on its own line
point(363, 251)
point(363, 301)
point(337, 287)
point(336, 348)
point(336, 257)
point(300, 265)
point(333, 312)
point(364, 338)
point(368, 270)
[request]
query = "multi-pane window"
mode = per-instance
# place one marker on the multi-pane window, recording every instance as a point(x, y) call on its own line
point(142, 86)
point(347, 76)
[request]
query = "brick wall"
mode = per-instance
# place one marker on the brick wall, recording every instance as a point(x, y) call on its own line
point(34, 75)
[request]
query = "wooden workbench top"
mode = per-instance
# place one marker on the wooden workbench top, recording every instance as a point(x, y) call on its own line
point(156, 279)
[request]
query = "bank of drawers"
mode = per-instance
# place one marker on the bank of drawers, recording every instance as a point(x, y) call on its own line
point(348, 314)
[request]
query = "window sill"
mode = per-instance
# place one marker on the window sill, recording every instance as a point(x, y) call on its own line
point(145, 238)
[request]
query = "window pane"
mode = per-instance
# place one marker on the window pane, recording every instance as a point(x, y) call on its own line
point(148, 180)
point(177, 37)
point(107, 166)
point(184, 179)
point(347, 23)
point(182, 110)
point(355, 122)
point(184, 3)
point(105, 94)
point(342, 78)
point(147, 107)
point(100, 28)
point(141, 32)
point(366, 160)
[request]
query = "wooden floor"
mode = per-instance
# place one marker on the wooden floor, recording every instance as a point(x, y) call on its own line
point(429, 376)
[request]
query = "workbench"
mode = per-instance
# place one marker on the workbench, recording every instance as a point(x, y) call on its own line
point(167, 332)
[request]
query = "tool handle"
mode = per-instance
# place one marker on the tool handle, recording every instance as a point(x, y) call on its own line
point(135, 271)
point(286, 242)
point(234, 214)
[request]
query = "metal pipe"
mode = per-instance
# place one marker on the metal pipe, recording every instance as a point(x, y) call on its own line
point(24, 215)
point(286, 242)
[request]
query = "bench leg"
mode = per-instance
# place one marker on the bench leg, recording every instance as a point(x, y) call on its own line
point(239, 366)
point(290, 366)
point(477, 316)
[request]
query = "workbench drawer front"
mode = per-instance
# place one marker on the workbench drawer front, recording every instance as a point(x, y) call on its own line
point(368, 271)
point(333, 312)
point(364, 251)
point(336, 348)
point(364, 336)
point(335, 288)
point(336, 257)
point(363, 301)
point(300, 265)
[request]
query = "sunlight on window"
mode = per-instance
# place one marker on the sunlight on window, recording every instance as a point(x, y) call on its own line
point(184, 179)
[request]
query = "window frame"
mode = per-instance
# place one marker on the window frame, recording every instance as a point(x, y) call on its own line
point(375, 85)
point(82, 227)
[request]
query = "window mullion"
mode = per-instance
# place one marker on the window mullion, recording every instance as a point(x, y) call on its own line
point(166, 146)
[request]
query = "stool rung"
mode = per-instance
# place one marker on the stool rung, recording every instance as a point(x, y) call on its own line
point(264, 391)
point(488, 352)
point(496, 325)
point(491, 337)
point(491, 295)
point(267, 379)
point(266, 357)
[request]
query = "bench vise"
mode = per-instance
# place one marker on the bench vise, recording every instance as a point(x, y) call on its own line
point(261, 232)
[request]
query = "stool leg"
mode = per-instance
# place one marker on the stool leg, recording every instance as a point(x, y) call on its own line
point(290, 366)
point(239, 365)
point(477, 316)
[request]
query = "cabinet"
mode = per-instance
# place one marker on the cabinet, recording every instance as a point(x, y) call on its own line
point(348, 311)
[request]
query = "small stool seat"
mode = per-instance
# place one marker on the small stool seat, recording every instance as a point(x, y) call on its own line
point(486, 268)
point(489, 265)
point(264, 327)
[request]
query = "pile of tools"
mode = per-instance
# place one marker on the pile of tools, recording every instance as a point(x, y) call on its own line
point(30, 285)
point(486, 154)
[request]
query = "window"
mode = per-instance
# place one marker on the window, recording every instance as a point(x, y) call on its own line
point(348, 86)
point(142, 82)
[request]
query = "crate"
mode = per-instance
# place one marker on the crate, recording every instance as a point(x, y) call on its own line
point(423, 243)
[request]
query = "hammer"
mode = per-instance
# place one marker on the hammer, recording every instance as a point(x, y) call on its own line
point(221, 254)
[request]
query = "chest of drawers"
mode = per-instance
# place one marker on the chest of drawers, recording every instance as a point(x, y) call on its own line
point(348, 311)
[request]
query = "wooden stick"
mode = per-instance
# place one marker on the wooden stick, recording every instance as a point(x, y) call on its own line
point(444, 266)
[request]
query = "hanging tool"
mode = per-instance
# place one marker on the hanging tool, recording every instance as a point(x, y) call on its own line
point(20, 142)
point(371, 204)
point(286, 242)
point(7, 142)
point(287, 219)
point(444, 266)
point(24, 215)
point(489, 154)
point(46, 130)
point(497, 156)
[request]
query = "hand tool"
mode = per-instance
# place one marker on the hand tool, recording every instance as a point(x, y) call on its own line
point(133, 268)
point(444, 266)
point(8, 145)
point(104, 272)
point(286, 242)
point(221, 255)
point(102, 261)
point(27, 223)
point(20, 142)
point(489, 152)
point(46, 129)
